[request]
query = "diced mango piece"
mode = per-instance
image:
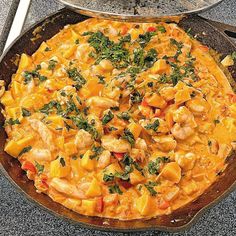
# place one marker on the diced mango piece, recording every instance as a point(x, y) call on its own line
point(74, 35)
point(190, 187)
point(25, 61)
point(59, 168)
point(136, 177)
point(12, 148)
point(42, 47)
point(113, 168)
point(54, 121)
point(77, 170)
point(144, 204)
point(156, 101)
point(70, 148)
point(69, 52)
point(84, 92)
point(94, 87)
point(182, 95)
point(60, 142)
point(7, 99)
point(86, 162)
point(15, 113)
point(16, 89)
point(135, 129)
point(35, 101)
point(95, 189)
point(89, 206)
point(172, 172)
point(160, 66)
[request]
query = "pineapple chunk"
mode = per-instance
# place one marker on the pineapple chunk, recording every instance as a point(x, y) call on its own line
point(160, 67)
point(7, 99)
point(25, 61)
point(135, 129)
point(77, 170)
point(59, 168)
point(70, 148)
point(16, 89)
point(172, 172)
point(182, 95)
point(190, 187)
point(156, 101)
point(84, 92)
point(87, 163)
point(113, 168)
point(136, 177)
point(13, 148)
point(144, 204)
point(94, 190)
point(69, 52)
point(15, 113)
point(43, 47)
point(60, 142)
point(89, 206)
point(54, 122)
point(94, 87)
point(227, 61)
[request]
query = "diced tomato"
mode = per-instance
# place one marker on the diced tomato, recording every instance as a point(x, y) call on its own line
point(100, 205)
point(28, 166)
point(44, 179)
point(144, 102)
point(125, 184)
point(124, 30)
point(106, 130)
point(164, 205)
point(152, 29)
point(118, 156)
point(232, 97)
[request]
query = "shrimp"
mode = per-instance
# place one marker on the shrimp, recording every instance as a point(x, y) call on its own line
point(44, 133)
point(182, 132)
point(141, 144)
point(113, 144)
point(83, 139)
point(40, 154)
point(198, 106)
point(97, 123)
point(183, 116)
point(104, 159)
point(63, 186)
point(165, 142)
point(101, 102)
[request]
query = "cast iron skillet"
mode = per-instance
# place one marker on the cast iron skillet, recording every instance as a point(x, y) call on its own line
point(180, 219)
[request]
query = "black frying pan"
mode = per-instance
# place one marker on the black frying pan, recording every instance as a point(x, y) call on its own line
point(210, 33)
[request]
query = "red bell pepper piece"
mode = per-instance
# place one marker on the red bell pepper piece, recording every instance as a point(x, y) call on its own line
point(118, 156)
point(152, 29)
point(100, 205)
point(28, 166)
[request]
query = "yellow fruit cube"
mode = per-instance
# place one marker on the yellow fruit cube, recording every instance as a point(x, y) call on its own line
point(95, 189)
point(172, 172)
point(84, 92)
point(89, 206)
point(156, 101)
point(16, 89)
point(160, 67)
point(232, 110)
point(113, 168)
point(74, 35)
point(7, 99)
point(60, 142)
point(144, 204)
point(12, 148)
point(25, 61)
point(135, 129)
point(190, 187)
point(25, 141)
point(227, 61)
point(182, 95)
point(59, 168)
point(77, 170)
point(70, 148)
point(94, 87)
point(42, 47)
point(14, 113)
point(55, 121)
point(87, 163)
point(136, 177)
point(69, 52)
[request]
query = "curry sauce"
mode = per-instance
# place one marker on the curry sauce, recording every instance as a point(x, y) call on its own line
point(120, 120)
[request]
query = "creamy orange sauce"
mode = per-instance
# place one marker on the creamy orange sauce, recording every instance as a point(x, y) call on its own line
point(120, 120)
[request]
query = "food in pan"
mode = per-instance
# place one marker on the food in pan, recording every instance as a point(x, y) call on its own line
point(121, 120)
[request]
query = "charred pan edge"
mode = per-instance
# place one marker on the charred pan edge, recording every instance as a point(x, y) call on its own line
point(59, 20)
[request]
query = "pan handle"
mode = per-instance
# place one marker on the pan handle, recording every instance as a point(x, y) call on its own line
point(229, 30)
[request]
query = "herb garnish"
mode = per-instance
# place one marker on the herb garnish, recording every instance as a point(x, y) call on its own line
point(24, 150)
point(154, 126)
point(107, 118)
point(39, 167)
point(115, 189)
point(12, 122)
point(25, 112)
point(129, 137)
point(154, 166)
point(150, 187)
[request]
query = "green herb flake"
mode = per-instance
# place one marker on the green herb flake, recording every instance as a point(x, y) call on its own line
point(107, 118)
point(129, 137)
point(52, 64)
point(25, 112)
point(150, 187)
point(124, 116)
point(62, 162)
point(12, 122)
point(115, 189)
point(161, 28)
point(39, 167)
point(24, 150)
point(101, 79)
point(154, 126)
